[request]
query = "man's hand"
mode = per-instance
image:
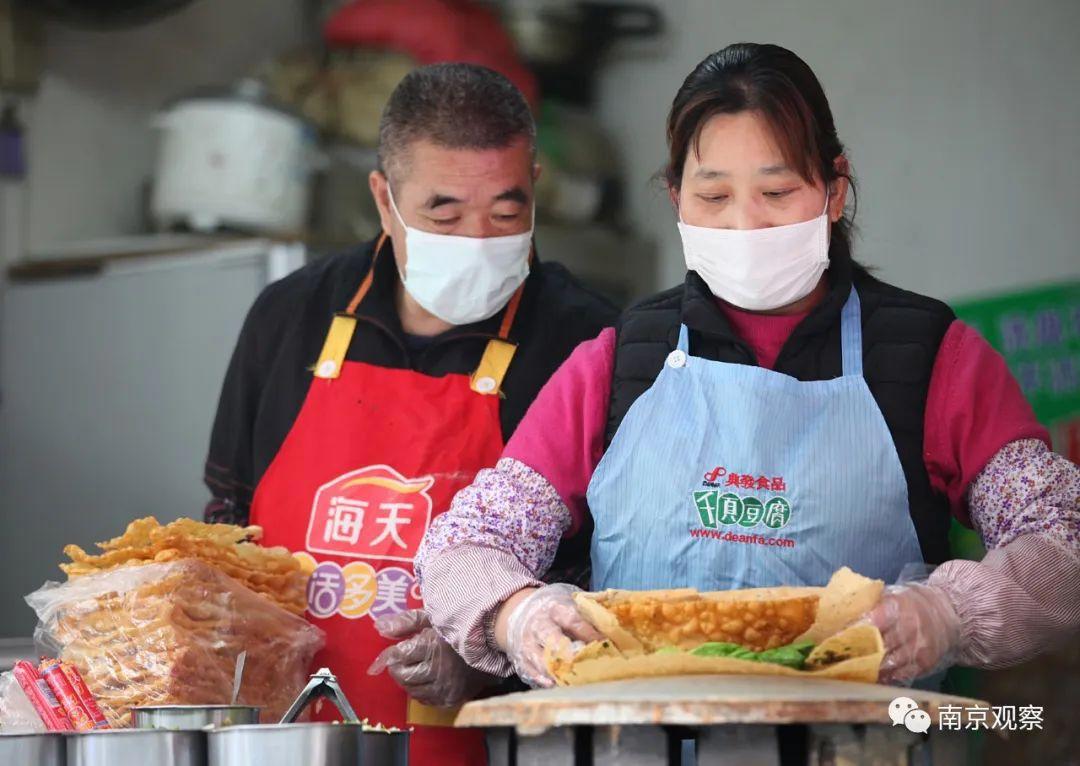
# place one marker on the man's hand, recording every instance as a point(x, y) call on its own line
point(424, 665)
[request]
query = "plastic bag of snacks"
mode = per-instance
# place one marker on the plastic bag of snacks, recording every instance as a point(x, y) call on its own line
point(168, 633)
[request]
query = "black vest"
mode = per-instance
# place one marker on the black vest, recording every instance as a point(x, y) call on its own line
point(901, 335)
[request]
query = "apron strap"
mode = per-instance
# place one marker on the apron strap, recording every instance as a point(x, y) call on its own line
point(368, 279)
point(851, 335)
point(684, 339)
point(343, 325)
point(494, 364)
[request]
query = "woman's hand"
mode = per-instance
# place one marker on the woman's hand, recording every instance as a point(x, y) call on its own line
point(424, 665)
point(921, 630)
point(532, 620)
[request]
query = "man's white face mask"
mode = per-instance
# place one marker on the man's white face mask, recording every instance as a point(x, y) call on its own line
point(759, 269)
point(462, 280)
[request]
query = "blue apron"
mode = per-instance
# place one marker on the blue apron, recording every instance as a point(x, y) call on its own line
point(733, 476)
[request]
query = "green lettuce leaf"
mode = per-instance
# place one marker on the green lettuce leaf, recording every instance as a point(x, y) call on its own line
point(792, 655)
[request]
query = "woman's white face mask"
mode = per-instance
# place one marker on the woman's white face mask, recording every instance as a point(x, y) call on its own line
point(759, 269)
point(462, 280)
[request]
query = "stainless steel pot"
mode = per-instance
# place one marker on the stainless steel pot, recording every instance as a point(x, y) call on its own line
point(317, 744)
point(312, 744)
point(144, 747)
point(384, 748)
point(182, 717)
point(32, 749)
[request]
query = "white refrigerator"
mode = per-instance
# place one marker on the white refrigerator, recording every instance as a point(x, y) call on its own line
point(108, 385)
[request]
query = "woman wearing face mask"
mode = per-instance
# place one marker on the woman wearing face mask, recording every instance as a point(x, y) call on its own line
point(784, 393)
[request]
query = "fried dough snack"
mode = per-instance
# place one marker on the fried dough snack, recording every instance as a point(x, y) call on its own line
point(169, 633)
point(756, 623)
point(272, 572)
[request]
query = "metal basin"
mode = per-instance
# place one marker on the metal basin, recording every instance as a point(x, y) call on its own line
point(185, 717)
point(312, 744)
point(145, 747)
point(384, 748)
point(32, 749)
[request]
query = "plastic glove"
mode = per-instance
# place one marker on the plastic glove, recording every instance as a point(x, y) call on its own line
point(921, 630)
point(548, 617)
point(424, 665)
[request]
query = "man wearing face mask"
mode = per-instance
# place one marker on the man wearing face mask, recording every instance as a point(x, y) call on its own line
point(366, 389)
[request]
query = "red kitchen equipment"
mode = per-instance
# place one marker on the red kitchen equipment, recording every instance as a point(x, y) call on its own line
point(432, 31)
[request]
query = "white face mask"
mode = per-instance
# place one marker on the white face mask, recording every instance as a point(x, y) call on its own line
point(759, 269)
point(462, 280)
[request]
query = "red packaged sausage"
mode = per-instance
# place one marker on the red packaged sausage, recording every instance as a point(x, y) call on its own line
point(48, 708)
point(65, 692)
point(75, 678)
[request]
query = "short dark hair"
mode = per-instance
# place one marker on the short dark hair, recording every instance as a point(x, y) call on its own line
point(457, 106)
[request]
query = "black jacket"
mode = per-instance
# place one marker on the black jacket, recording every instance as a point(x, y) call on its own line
point(270, 372)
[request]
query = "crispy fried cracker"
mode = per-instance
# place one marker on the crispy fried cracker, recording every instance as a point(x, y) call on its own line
point(272, 572)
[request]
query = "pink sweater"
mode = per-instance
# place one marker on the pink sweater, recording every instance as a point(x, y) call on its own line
point(996, 471)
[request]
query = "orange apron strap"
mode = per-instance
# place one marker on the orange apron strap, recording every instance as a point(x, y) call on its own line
point(511, 313)
point(343, 325)
point(368, 278)
point(498, 354)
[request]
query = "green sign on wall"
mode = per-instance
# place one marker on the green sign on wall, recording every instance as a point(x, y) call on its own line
point(1038, 333)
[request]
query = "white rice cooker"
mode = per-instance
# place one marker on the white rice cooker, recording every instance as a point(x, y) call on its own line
point(233, 158)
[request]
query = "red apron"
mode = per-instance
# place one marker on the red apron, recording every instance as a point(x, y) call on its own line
point(373, 456)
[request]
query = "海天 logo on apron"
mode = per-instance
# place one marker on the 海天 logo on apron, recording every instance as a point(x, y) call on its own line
point(375, 514)
point(371, 513)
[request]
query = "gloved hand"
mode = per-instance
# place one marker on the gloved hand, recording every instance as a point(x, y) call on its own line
point(547, 617)
point(921, 630)
point(424, 665)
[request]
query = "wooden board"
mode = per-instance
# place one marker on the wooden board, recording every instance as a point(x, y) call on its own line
point(699, 700)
